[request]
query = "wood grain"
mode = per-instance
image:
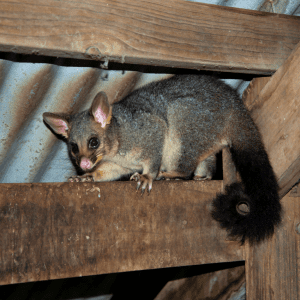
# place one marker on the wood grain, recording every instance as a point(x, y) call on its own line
point(272, 268)
point(251, 93)
point(274, 104)
point(172, 33)
point(62, 230)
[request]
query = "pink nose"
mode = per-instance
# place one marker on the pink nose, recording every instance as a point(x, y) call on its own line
point(85, 164)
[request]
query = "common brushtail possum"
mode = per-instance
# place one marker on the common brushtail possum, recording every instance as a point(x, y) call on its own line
point(172, 129)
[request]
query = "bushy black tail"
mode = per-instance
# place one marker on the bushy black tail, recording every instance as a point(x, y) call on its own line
point(258, 190)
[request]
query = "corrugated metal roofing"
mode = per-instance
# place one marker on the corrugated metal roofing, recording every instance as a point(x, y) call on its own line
point(29, 152)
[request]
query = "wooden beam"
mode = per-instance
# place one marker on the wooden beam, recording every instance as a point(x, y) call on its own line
point(274, 104)
point(172, 33)
point(272, 267)
point(61, 230)
point(251, 93)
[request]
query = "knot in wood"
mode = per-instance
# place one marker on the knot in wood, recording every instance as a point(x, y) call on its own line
point(243, 208)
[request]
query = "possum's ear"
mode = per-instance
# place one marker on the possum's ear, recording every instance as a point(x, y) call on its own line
point(58, 123)
point(101, 109)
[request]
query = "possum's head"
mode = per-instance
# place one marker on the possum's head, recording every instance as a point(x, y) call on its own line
point(86, 133)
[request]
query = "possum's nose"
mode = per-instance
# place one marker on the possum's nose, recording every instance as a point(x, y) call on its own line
point(85, 164)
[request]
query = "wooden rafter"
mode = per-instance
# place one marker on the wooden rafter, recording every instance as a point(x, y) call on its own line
point(172, 33)
point(274, 104)
point(272, 268)
point(62, 230)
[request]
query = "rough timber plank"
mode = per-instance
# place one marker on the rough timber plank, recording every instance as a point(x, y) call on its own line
point(172, 33)
point(272, 268)
point(61, 230)
point(276, 112)
point(251, 93)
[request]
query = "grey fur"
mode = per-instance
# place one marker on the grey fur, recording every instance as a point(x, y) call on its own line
point(173, 128)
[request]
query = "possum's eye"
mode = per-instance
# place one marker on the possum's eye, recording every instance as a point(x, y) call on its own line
point(74, 148)
point(94, 143)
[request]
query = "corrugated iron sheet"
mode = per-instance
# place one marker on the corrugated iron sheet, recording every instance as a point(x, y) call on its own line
point(29, 152)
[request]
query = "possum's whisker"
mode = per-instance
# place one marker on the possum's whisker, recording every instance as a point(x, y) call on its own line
point(98, 157)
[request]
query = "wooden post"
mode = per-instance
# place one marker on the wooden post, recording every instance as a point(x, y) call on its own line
point(275, 108)
point(272, 268)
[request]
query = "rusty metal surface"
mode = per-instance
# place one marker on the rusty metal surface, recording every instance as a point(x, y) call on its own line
point(28, 150)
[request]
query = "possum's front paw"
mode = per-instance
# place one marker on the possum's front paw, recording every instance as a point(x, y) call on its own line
point(207, 177)
point(142, 181)
point(84, 178)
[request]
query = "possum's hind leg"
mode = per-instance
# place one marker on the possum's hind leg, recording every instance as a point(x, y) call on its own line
point(206, 168)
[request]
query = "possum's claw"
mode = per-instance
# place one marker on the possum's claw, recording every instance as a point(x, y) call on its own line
point(84, 178)
point(143, 181)
point(202, 178)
